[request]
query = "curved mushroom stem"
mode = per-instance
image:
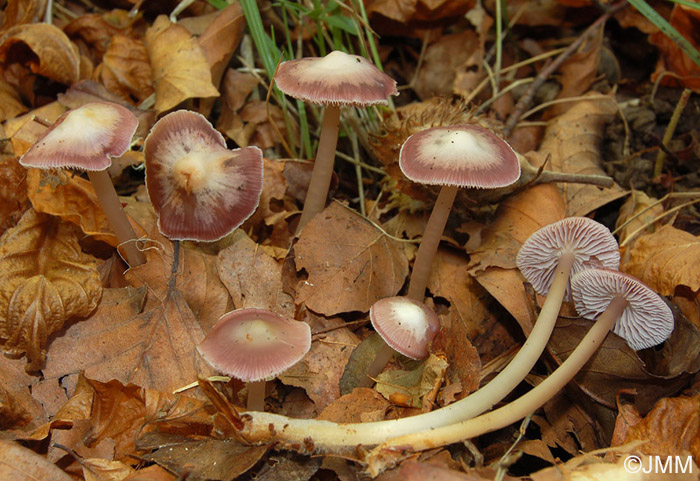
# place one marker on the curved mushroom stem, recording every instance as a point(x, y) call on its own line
point(323, 167)
point(377, 365)
point(265, 427)
point(511, 412)
point(429, 243)
point(256, 396)
point(112, 207)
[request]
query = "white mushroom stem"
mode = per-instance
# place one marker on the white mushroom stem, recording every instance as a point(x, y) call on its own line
point(328, 436)
point(256, 396)
point(429, 243)
point(112, 207)
point(323, 167)
point(511, 412)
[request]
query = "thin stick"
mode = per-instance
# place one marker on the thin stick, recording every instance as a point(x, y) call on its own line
point(670, 129)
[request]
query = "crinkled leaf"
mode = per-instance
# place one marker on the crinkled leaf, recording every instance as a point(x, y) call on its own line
point(409, 387)
point(46, 280)
point(13, 192)
point(126, 69)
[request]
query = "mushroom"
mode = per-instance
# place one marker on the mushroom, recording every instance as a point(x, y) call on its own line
point(255, 345)
point(200, 190)
point(338, 79)
point(619, 301)
point(87, 138)
point(456, 156)
point(407, 326)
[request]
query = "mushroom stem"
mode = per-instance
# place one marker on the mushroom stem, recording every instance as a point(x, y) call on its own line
point(256, 396)
point(112, 207)
point(511, 412)
point(323, 167)
point(380, 359)
point(429, 242)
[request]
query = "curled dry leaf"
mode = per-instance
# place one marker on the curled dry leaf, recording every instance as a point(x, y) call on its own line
point(665, 260)
point(10, 103)
point(74, 201)
point(18, 12)
point(673, 58)
point(46, 280)
point(221, 38)
point(126, 69)
point(13, 192)
point(180, 70)
point(44, 48)
point(351, 264)
point(638, 212)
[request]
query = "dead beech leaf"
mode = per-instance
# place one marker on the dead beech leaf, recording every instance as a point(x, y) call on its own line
point(74, 202)
point(221, 38)
point(665, 260)
point(126, 69)
point(637, 202)
point(180, 70)
point(46, 280)
point(95, 469)
point(362, 405)
point(673, 58)
point(408, 387)
point(44, 48)
point(13, 191)
point(573, 140)
point(18, 12)
point(24, 131)
point(10, 104)
point(252, 277)
point(351, 264)
point(23, 464)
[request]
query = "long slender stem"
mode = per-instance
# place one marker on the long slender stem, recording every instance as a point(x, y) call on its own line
point(670, 129)
point(377, 365)
point(323, 167)
point(256, 396)
point(112, 207)
point(429, 244)
point(513, 411)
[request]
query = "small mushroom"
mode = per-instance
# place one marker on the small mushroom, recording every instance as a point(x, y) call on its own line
point(255, 345)
point(87, 138)
point(453, 157)
point(201, 190)
point(336, 80)
point(618, 298)
point(407, 326)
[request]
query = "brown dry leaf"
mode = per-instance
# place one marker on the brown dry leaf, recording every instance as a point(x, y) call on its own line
point(640, 210)
point(407, 388)
point(319, 372)
point(96, 31)
point(573, 140)
point(350, 263)
point(126, 69)
point(10, 104)
point(180, 70)
point(686, 21)
point(13, 191)
point(18, 407)
point(46, 280)
point(44, 48)
point(151, 473)
point(221, 38)
point(95, 469)
point(667, 259)
point(672, 428)
point(24, 131)
point(419, 12)
point(362, 405)
point(18, 12)
point(23, 464)
point(253, 278)
point(74, 201)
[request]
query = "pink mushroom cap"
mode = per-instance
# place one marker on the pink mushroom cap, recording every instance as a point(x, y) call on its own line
point(591, 242)
point(200, 189)
point(255, 344)
point(407, 325)
point(84, 138)
point(647, 320)
point(460, 155)
point(338, 78)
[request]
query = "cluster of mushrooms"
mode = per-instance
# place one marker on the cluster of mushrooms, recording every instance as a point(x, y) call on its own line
point(202, 191)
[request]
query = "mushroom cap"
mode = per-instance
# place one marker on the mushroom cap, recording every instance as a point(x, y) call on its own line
point(647, 320)
point(405, 324)
point(338, 78)
point(200, 189)
point(85, 138)
point(463, 155)
point(255, 344)
point(591, 242)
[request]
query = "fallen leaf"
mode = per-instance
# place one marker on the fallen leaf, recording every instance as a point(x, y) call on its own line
point(24, 131)
point(74, 201)
point(411, 385)
point(665, 260)
point(18, 12)
point(97, 31)
point(44, 48)
point(23, 464)
point(362, 405)
point(10, 103)
point(350, 263)
point(13, 193)
point(686, 21)
point(46, 281)
point(637, 215)
point(573, 140)
point(221, 39)
point(359, 361)
point(180, 70)
point(126, 68)
point(95, 469)
point(288, 467)
point(151, 473)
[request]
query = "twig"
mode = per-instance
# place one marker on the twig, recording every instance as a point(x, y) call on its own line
point(670, 129)
point(544, 74)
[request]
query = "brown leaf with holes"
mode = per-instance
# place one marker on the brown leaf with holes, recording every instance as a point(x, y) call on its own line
point(46, 281)
point(44, 48)
point(665, 260)
point(350, 263)
point(126, 69)
point(74, 201)
point(574, 141)
point(180, 70)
